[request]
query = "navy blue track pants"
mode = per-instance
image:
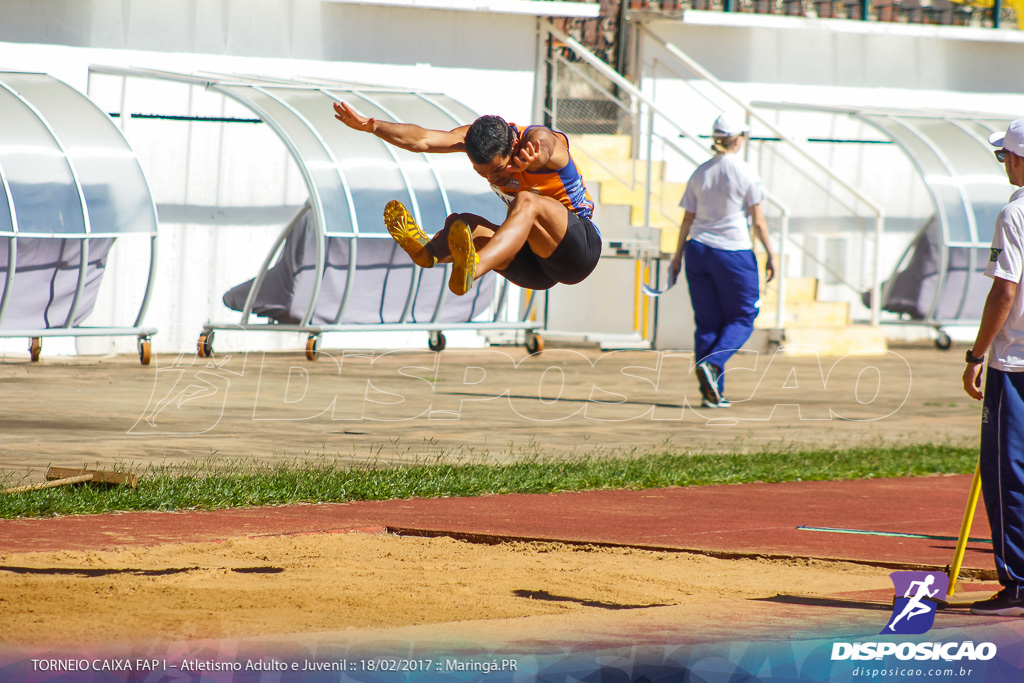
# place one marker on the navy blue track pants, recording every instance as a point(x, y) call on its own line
point(1002, 472)
point(725, 295)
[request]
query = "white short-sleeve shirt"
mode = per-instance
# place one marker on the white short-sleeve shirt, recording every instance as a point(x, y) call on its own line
point(1007, 263)
point(719, 194)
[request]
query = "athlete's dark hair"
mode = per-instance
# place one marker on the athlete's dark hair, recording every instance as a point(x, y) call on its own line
point(488, 137)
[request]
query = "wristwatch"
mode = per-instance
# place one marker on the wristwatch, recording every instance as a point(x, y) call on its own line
point(972, 359)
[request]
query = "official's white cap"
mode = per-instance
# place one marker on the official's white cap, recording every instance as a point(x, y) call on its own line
point(1012, 140)
point(724, 128)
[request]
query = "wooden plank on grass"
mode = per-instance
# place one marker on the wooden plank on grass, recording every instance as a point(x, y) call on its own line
point(98, 476)
point(78, 479)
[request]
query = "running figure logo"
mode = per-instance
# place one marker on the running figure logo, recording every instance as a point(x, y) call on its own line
point(914, 613)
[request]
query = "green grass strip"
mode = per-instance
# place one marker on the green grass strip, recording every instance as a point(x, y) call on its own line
point(245, 484)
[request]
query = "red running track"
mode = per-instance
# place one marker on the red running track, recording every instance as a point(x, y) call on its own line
point(741, 519)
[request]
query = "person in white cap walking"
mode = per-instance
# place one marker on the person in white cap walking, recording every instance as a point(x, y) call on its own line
point(1001, 337)
point(722, 202)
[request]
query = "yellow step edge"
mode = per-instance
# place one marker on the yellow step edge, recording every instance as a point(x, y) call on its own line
point(619, 170)
point(834, 341)
point(669, 239)
point(603, 146)
point(797, 289)
point(665, 194)
point(660, 217)
point(832, 314)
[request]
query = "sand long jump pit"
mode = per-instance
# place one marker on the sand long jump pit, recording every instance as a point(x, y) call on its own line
point(375, 589)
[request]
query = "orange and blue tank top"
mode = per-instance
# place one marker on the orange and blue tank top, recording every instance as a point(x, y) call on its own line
point(565, 184)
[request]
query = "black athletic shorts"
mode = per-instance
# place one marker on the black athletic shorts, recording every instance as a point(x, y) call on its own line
point(572, 261)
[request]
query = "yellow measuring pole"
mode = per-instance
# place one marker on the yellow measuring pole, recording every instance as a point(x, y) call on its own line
point(965, 529)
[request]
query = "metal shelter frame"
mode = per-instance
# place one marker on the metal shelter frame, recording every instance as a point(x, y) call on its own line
point(67, 173)
point(954, 160)
point(349, 177)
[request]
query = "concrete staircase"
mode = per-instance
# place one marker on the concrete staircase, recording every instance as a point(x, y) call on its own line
point(811, 326)
point(814, 327)
point(610, 172)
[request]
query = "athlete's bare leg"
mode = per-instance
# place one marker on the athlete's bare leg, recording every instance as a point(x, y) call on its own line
point(538, 221)
point(426, 251)
point(480, 246)
point(458, 243)
point(481, 228)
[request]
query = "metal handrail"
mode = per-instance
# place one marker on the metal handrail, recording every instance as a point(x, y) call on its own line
point(653, 109)
point(874, 207)
point(640, 99)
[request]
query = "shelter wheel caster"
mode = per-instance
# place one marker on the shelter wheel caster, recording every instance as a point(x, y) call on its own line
point(313, 347)
point(534, 342)
point(437, 341)
point(204, 347)
point(943, 342)
point(35, 348)
point(145, 351)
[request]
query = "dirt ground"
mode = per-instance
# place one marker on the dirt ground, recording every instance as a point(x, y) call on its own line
point(361, 584)
point(490, 405)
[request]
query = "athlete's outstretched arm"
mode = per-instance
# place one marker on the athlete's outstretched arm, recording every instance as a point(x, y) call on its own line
point(408, 136)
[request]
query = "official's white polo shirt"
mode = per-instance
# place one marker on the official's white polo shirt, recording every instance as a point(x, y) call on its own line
point(1007, 263)
point(719, 194)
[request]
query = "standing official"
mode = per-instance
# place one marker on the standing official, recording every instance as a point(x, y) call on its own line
point(1001, 338)
point(722, 202)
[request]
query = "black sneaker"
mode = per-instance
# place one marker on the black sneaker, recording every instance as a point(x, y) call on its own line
point(708, 379)
point(1002, 604)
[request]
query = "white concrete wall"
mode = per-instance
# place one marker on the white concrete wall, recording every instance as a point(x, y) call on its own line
point(900, 61)
point(242, 177)
point(429, 49)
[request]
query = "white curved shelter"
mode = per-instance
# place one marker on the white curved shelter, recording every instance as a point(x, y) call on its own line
point(71, 186)
point(939, 281)
point(335, 267)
